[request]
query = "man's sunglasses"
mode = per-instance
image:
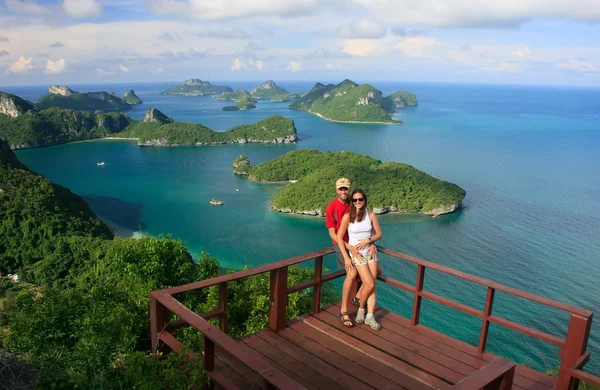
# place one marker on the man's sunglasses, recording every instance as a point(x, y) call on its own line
point(358, 200)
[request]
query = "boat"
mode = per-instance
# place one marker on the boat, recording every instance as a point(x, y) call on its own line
point(216, 202)
point(100, 163)
point(237, 190)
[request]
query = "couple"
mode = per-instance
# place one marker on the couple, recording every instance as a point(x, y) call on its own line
point(353, 230)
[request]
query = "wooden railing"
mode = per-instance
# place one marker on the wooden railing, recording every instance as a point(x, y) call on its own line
point(573, 354)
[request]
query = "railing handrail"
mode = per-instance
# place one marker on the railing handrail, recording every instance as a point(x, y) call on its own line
point(487, 283)
point(237, 350)
point(246, 273)
point(572, 347)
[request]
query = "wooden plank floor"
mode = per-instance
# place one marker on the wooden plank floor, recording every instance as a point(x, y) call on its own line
point(319, 353)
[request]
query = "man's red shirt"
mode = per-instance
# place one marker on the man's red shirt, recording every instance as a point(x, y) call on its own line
point(333, 216)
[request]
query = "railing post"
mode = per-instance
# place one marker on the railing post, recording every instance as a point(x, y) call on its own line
point(223, 306)
point(278, 310)
point(159, 318)
point(208, 353)
point(575, 345)
point(316, 306)
point(485, 325)
point(418, 289)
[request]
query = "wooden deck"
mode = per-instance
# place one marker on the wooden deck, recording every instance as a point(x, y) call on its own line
point(319, 353)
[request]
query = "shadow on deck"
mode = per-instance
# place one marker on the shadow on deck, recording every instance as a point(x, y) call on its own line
point(316, 351)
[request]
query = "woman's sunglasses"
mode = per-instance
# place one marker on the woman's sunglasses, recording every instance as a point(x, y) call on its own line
point(358, 200)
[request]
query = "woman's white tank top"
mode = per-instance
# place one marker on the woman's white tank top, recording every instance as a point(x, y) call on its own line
point(359, 230)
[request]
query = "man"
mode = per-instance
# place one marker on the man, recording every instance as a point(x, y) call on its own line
point(333, 217)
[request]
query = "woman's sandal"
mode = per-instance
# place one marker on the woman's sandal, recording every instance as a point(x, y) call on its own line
point(345, 321)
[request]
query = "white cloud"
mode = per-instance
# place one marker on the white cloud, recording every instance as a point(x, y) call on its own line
point(585, 66)
point(23, 65)
point(294, 66)
point(27, 7)
point(55, 67)
point(222, 9)
point(522, 52)
point(470, 13)
point(238, 65)
point(82, 8)
point(259, 64)
point(420, 47)
point(124, 69)
point(158, 70)
point(362, 29)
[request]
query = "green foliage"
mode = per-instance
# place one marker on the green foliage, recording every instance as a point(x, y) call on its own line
point(235, 95)
point(36, 215)
point(246, 103)
point(248, 300)
point(387, 184)
point(58, 125)
point(84, 101)
point(582, 385)
point(179, 133)
point(199, 88)
point(284, 97)
point(349, 101)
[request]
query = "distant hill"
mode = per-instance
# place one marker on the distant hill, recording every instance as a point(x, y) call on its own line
point(131, 98)
point(196, 87)
point(166, 132)
point(63, 97)
point(350, 102)
point(267, 90)
point(57, 126)
point(241, 97)
point(390, 186)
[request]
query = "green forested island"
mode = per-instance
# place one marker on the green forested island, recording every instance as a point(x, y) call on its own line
point(196, 87)
point(243, 99)
point(24, 126)
point(268, 90)
point(391, 186)
point(131, 98)
point(350, 102)
point(78, 317)
point(63, 97)
point(158, 130)
point(37, 128)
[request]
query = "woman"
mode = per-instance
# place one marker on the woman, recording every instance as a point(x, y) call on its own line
point(360, 224)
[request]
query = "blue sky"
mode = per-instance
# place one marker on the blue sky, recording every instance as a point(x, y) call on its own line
point(101, 41)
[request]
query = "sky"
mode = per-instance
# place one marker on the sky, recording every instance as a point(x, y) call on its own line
point(44, 42)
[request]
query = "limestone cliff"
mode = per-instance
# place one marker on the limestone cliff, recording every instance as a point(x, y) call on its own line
point(267, 90)
point(60, 90)
point(13, 105)
point(154, 115)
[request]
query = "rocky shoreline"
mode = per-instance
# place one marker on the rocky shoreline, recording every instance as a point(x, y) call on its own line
point(377, 210)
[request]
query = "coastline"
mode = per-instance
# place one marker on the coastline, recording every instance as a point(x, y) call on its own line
point(376, 210)
point(333, 120)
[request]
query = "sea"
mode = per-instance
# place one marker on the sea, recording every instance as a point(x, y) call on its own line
point(527, 156)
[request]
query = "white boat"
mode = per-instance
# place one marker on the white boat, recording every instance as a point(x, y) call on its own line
point(237, 189)
point(216, 202)
point(100, 163)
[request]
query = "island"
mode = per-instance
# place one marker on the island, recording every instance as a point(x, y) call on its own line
point(63, 97)
point(156, 129)
point(131, 98)
point(241, 165)
point(196, 87)
point(243, 99)
point(24, 126)
point(350, 102)
point(390, 186)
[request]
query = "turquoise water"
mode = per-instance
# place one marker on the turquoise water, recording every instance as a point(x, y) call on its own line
point(527, 157)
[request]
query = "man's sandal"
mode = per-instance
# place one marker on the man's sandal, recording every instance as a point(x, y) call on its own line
point(346, 322)
point(356, 301)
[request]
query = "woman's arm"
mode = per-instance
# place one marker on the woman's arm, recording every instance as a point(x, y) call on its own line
point(340, 239)
point(378, 234)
